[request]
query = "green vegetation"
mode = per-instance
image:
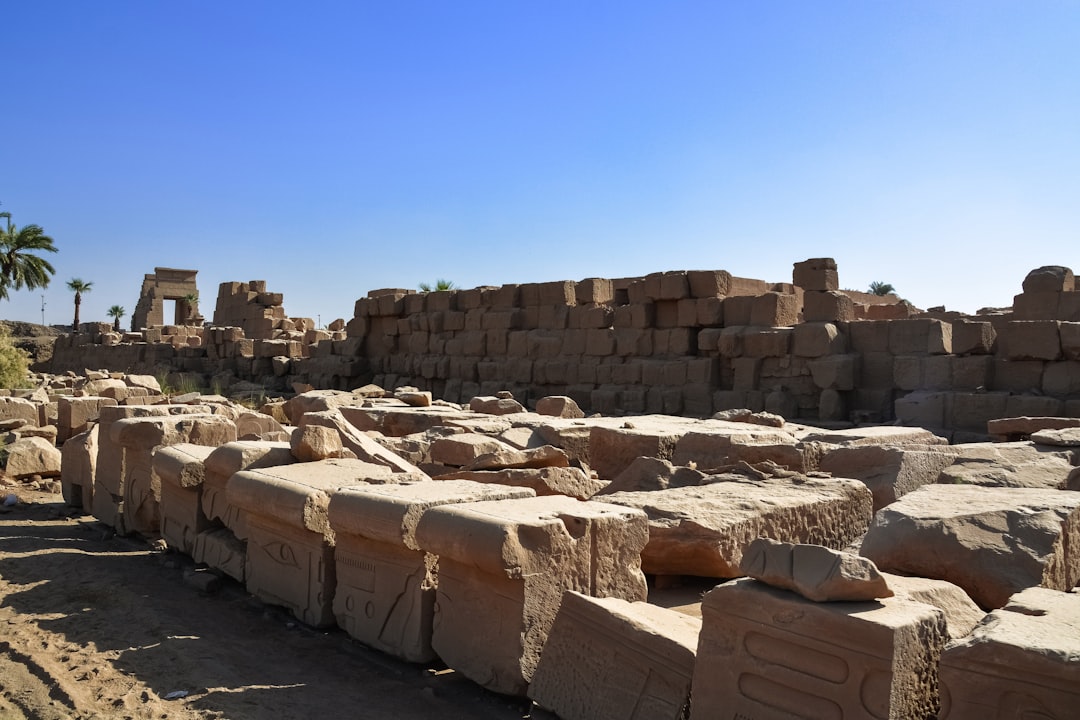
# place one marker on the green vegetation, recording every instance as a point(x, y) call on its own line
point(190, 301)
point(19, 266)
point(78, 287)
point(440, 285)
point(881, 288)
point(116, 312)
point(14, 362)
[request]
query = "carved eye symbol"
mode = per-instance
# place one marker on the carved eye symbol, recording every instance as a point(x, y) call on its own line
point(281, 553)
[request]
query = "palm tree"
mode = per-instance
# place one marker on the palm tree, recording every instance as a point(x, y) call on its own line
point(191, 302)
point(116, 312)
point(78, 287)
point(19, 267)
point(440, 285)
point(881, 288)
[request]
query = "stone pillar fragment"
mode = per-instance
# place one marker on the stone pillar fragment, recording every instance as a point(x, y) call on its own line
point(503, 568)
point(386, 584)
point(180, 469)
point(766, 653)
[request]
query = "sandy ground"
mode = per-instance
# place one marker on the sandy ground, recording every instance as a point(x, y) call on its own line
point(98, 626)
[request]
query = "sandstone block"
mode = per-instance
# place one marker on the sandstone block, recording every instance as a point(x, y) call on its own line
point(1007, 464)
point(817, 274)
point(993, 542)
point(774, 309)
point(570, 481)
point(833, 306)
point(971, 337)
point(78, 460)
point(814, 339)
point(386, 584)
point(612, 449)
point(889, 471)
point(835, 372)
point(1021, 661)
point(768, 653)
point(1062, 378)
point(709, 283)
point(767, 342)
point(30, 456)
point(220, 549)
point(180, 470)
point(814, 572)
point(704, 530)
point(920, 336)
point(1029, 340)
point(503, 568)
point(1050, 278)
point(961, 612)
point(609, 658)
point(221, 464)
point(74, 414)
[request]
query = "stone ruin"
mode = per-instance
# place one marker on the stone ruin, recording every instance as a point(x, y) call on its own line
point(851, 569)
point(162, 285)
point(687, 343)
point(541, 554)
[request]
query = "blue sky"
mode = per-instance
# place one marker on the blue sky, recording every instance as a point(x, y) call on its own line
point(331, 148)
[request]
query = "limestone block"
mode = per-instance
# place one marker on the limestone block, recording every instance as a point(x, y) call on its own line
point(1021, 661)
point(29, 456)
point(139, 437)
point(814, 339)
point(768, 653)
point(180, 469)
point(289, 539)
point(704, 530)
point(819, 274)
point(386, 584)
point(609, 658)
point(230, 458)
point(990, 541)
point(78, 460)
point(889, 471)
point(972, 337)
point(833, 306)
point(74, 414)
point(773, 309)
point(1007, 464)
point(504, 566)
point(1029, 340)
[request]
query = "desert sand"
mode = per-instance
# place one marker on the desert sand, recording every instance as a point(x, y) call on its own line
point(98, 626)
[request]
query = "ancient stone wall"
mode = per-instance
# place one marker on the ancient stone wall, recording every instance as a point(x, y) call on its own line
point(680, 342)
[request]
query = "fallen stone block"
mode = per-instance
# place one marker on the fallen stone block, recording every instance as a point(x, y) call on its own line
point(181, 470)
point(1022, 661)
point(29, 456)
point(559, 406)
point(75, 414)
point(889, 471)
point(961, 612)
point(464, 449)
point(704, 530)
point(503, 568)
point(1013, 464)
point(609, 658)
point(78, 458)
point(1065, 437)
point(769, 653)
point(1021, 428)
point(223, 463)
point(362, 446)
point(385, 583)
point(290, 551)
point(570, 481)
point(992, 542)
point(815, 572)
point(877, 435)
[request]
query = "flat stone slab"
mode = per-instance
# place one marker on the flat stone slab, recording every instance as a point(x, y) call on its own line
point(890, 471)
point(704, 530)
point(1009, 464)
point(878, 435)
point(569, 481)
point(609, 658)
point(992, 542)
point(1065, 437)
point(1021, 661)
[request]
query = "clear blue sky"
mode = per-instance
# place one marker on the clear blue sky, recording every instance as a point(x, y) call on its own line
point(331, 148)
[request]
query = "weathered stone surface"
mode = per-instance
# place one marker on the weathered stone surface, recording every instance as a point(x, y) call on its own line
point(1049, 278)
point(768, 653)
point(317, 401)
point(495, 405)
point(1022, 661)
point(75, 414)
point(1065, 437)
point(719, 443)
point(1021, 428)
point(889, 471)
point(361, 445)
point(29, 456)
point(647, 473)
point(180, 469)
point(13, 407)
point(385, 595)
point(220, 549)
point(704, 530)
point(612, 449)
point(559, 406)
point(815, 572)
point(1014, 464)
point(878, 435)
point(570, 481)
point(503, 568)
point(463, 449)
point(961, 612)
point(992, 542)
point(231, 458)
point(540, 457)
point(609, 658)
point(78, 460)
point(316, 442)
point(259, 426)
